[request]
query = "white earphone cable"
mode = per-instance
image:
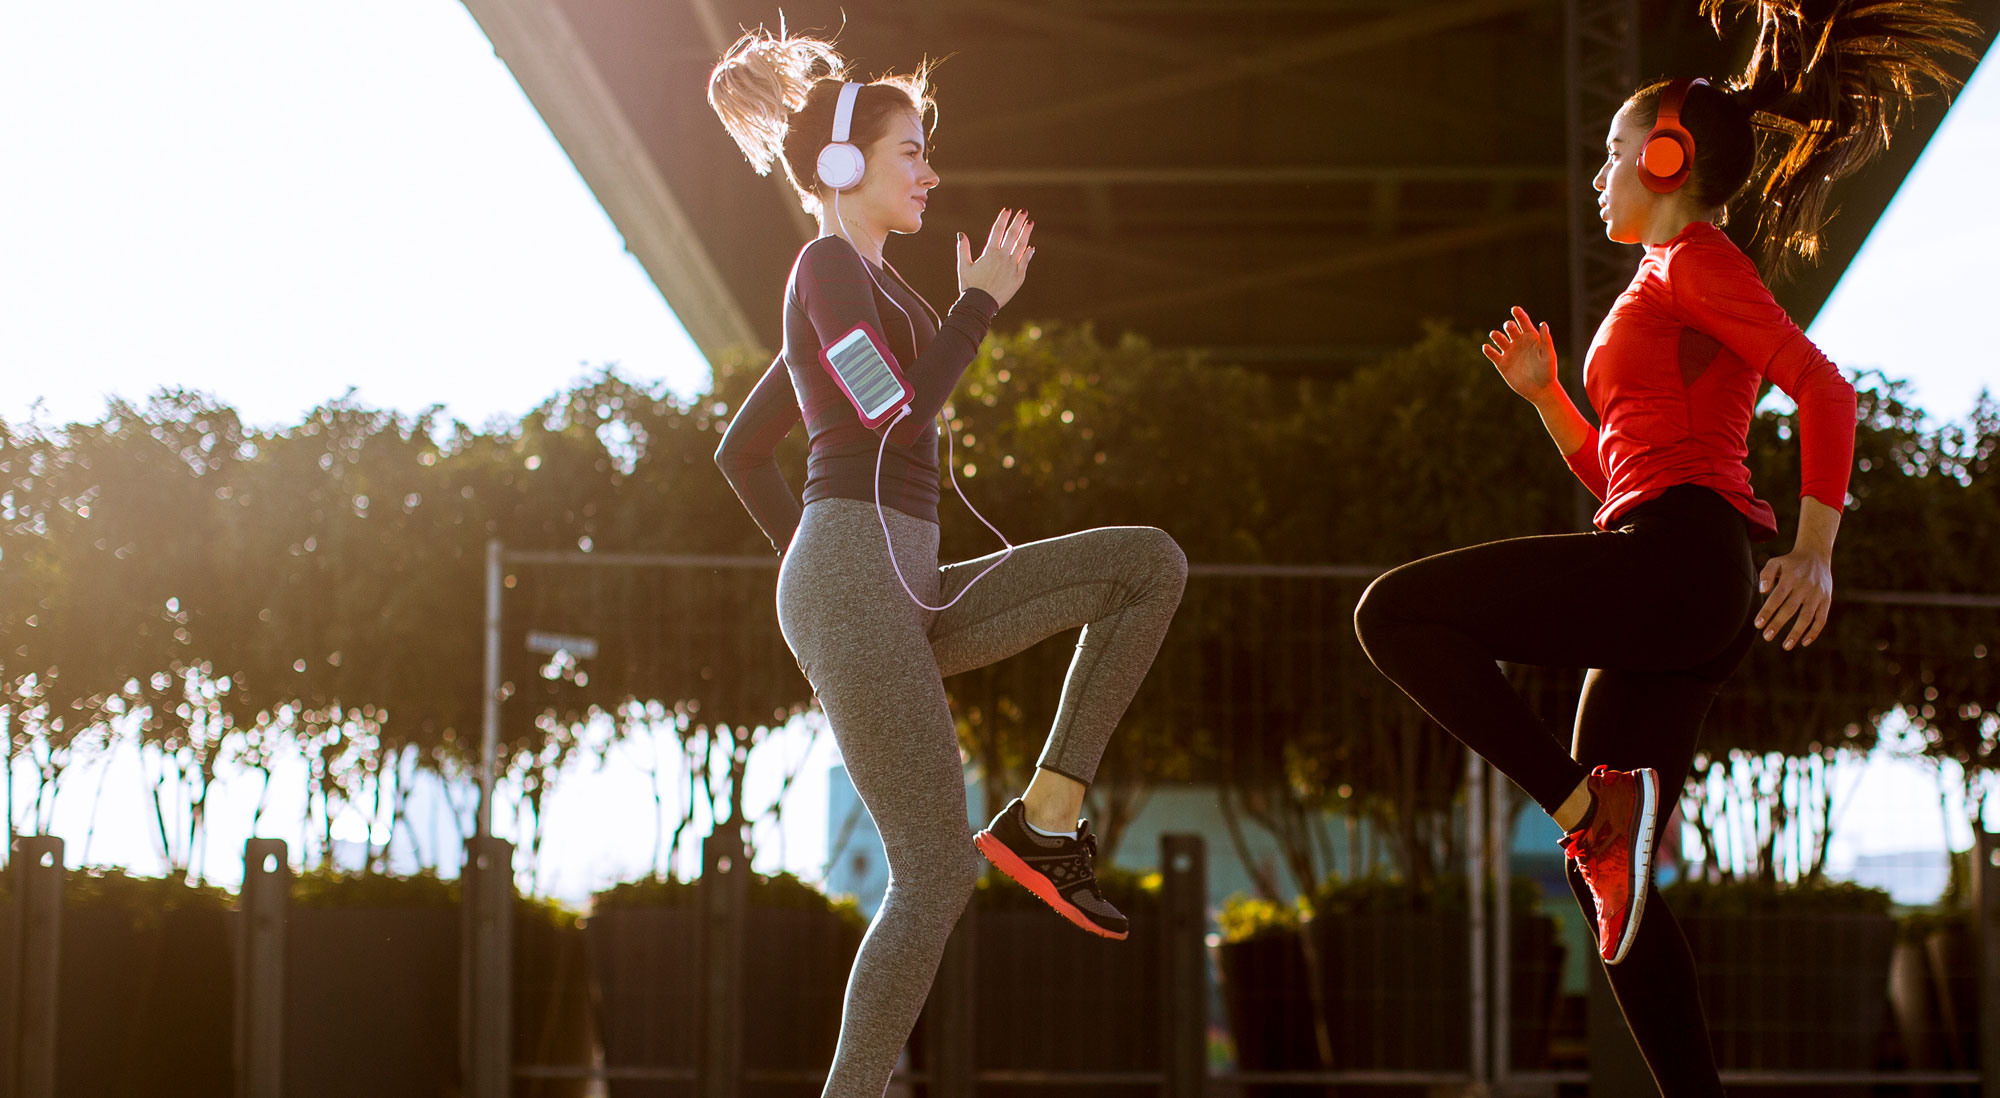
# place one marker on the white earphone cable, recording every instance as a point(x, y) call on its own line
point(951, 449)
point(950, 461)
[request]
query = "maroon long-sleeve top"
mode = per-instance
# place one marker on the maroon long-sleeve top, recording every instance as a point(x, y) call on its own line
point(831, 289)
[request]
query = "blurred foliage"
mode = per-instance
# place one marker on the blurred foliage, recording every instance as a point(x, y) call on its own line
point(654, 890)
point(1917, 926)
point(326, 888)
point(1692, 896)
point(224, 593)
point(780, 890)
point(1244, 917)
point(146, 899)
point(333, 888)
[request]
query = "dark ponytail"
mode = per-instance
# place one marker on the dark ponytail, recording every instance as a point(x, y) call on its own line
point(1823, 92)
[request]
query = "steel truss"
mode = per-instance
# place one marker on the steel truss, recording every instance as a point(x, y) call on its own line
point(1601, 55)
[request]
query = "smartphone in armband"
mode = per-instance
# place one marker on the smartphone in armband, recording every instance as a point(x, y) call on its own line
point(865, 370)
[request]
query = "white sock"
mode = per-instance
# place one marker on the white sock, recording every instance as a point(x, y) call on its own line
point(1051, 834)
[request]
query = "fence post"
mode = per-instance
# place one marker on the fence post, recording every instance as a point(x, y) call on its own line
point(952, 1010)
point(1500, 843)
point(486, 958)
point(1184, 900)
point(1478, 927)
point(260, 973)
point(38, 900)
point(1986, 905)
point(489, 706)
point(725, 879)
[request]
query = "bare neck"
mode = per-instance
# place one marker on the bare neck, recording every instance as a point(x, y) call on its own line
point(1671, 218)
point(851, 227)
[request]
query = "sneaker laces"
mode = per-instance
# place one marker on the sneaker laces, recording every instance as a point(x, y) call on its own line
point(1088, 869)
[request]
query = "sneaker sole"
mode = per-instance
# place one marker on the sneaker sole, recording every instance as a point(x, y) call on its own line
point(1010, 863)
point(1642, 860)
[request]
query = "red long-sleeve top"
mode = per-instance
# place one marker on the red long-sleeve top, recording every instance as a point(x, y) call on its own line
point(1674, 371)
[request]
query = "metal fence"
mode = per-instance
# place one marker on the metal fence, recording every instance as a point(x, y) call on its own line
point(1290, 670)
point(1457, 1001)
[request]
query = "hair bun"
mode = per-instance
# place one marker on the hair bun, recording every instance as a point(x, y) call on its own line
point(761, 82)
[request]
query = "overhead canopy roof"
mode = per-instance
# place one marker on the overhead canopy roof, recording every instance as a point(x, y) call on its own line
point(1291, 183)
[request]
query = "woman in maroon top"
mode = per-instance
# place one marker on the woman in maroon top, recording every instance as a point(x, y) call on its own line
point(874, 633)
point(1662, 600)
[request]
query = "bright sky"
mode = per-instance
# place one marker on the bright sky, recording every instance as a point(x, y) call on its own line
point(273, 201)
point(1917, 301)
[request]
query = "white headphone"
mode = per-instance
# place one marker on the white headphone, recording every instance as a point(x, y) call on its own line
point(840, 162)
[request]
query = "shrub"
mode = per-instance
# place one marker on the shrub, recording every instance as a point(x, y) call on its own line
point(1691, 896)
point(782, 890)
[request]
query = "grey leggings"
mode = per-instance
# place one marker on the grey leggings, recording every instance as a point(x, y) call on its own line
point(876, 660)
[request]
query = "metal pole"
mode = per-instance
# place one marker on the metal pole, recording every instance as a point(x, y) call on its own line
point(1476, 928)
point(489, 714)
point(38, 899)
point(1499, 839)
point(260, 995)
point(1986, 908)
point(486, 982)
point(725, 880)
point(1184, 899)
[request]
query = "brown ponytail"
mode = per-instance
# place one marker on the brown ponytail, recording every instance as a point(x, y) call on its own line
point(1824, 90)
point(776, 97)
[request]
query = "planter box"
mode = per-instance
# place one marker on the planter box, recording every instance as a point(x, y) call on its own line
point(1934, 994)
point(1952, 953)
point(10, 976)
point(1397, 995)
point(647, 964)
point(1054, 998)
point(371, 1002)
point(145, 1003)
point(552, 1017)
point(1806, 991)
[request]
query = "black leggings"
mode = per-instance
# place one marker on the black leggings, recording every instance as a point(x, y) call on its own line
point(1659, 611)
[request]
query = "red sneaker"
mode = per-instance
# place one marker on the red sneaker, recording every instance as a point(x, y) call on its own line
point(1615, 853)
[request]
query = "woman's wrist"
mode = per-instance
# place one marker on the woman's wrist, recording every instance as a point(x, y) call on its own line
point(1819, 523)
point(1552, 400)
point(1566, 425)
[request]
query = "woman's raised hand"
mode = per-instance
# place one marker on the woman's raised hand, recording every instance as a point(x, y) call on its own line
point(1003, 264)
point(1524, 354)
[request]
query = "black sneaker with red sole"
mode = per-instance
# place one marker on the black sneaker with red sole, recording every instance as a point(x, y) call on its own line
point(1057, 868)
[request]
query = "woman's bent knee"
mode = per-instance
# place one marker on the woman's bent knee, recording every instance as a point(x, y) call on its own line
point(1162, 556)
point(1379, 607)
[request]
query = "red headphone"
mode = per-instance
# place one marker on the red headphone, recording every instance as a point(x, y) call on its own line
point(1668, 154)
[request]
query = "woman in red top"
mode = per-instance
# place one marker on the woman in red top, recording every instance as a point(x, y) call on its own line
point(1662, 600)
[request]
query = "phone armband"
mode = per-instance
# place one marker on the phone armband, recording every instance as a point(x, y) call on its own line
point(866, 372)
